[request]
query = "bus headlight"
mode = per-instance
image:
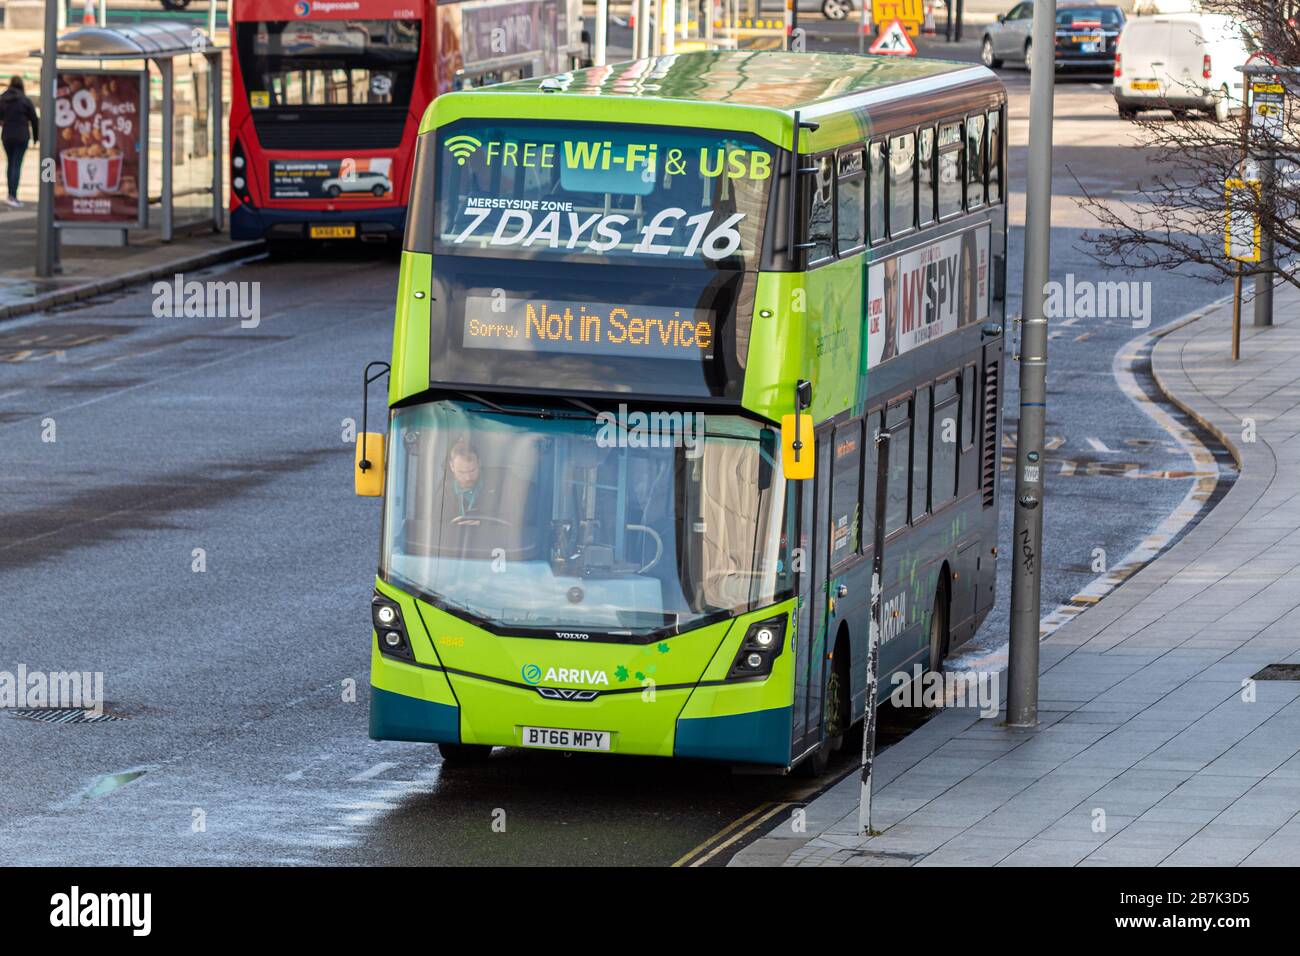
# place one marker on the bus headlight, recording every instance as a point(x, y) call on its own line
point(759, 650)
point(390, 629)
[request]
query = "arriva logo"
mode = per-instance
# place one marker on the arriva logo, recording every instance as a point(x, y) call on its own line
point(533, 675)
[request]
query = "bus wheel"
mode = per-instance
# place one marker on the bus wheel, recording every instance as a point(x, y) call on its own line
point(836, 713)
point(461, 755)
point(837, 697)
point(939, 629)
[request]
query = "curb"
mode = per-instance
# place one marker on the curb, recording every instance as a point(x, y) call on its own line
point(1167, 388)
point(88, 290)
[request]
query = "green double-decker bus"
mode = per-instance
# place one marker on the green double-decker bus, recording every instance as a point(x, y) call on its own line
point(650, 320)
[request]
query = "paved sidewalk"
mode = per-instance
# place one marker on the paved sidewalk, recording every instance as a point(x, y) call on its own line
point(93, 270)
point(1145, 718)
point(87, 270)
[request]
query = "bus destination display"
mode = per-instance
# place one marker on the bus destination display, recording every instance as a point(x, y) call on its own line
point(587, 328)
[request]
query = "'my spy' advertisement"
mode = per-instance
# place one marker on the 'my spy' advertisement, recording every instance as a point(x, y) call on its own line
point(916, 297)
point(341, 179)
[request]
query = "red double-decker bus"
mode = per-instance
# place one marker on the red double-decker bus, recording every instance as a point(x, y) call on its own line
point(327, 96)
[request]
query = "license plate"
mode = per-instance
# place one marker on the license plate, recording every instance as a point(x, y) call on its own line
point(1143, 85)
point(333, 232)
point(1085, 38)
point(556, 738)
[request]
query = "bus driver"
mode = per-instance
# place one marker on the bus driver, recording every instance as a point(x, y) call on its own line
point(470, 491)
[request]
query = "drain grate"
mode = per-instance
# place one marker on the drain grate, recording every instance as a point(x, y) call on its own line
point(62, 715)
point(1279, 672)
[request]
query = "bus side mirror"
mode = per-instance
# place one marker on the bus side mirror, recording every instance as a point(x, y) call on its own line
point(801, 462)
point(368, 472)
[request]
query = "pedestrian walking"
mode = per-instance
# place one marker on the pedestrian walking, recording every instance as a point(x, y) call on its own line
point(18, 127)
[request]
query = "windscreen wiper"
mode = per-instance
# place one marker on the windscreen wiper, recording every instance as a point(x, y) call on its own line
point(502, 410)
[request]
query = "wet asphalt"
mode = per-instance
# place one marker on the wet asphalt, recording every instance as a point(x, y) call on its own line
point(242, 688)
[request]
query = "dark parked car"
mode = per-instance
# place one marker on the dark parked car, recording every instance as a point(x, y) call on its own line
point(1086, 37)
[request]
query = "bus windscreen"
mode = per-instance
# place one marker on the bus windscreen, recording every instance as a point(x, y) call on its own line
point(363, 63)
point(632, 194)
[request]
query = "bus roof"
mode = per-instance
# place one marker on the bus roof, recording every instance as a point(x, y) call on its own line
point(766, 78)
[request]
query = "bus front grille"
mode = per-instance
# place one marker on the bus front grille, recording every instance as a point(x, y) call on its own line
point(294, 131)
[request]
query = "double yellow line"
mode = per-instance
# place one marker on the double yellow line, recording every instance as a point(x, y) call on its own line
point(733, 833)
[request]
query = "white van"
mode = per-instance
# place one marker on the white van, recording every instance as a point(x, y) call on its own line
point(1180, 62)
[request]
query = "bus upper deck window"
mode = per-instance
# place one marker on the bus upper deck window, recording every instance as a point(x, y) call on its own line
point(950, 173)
point(975, 161)
point(995, 156)
point(850, 201)
point(925, 177)
point(876, 193)
point(902, 156)
point(821, 211)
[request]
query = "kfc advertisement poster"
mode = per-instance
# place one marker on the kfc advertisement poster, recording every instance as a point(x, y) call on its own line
point(99, 118)
point(926, 293)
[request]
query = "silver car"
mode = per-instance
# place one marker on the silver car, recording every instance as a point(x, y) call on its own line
point(1009, 38)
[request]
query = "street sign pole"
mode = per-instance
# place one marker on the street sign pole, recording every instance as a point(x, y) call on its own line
point(873, 637)
point(47, 237)
point(1266, 118)
point(1027, 535)
point(602, 26)
point(1264, 278)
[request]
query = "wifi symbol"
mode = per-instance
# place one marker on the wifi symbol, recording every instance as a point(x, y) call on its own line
point(462, 147)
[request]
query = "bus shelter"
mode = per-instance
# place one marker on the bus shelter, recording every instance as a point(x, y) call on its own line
point(110, 83)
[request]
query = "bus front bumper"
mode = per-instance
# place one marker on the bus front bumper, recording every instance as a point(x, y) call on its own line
point(729, 722)
point(248, 222)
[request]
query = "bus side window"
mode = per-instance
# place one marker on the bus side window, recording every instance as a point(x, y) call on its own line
point(943, 443)
point(821, 211)
point(845, 492)
point(869, 463)
point(950, 177)
point(974, 161)
point(921, 454)
point(902, 155)
point(898, 420)
point(925, 177)
point(850, 200)
point(876, 193)
point(995, 156)
point(969, 422)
